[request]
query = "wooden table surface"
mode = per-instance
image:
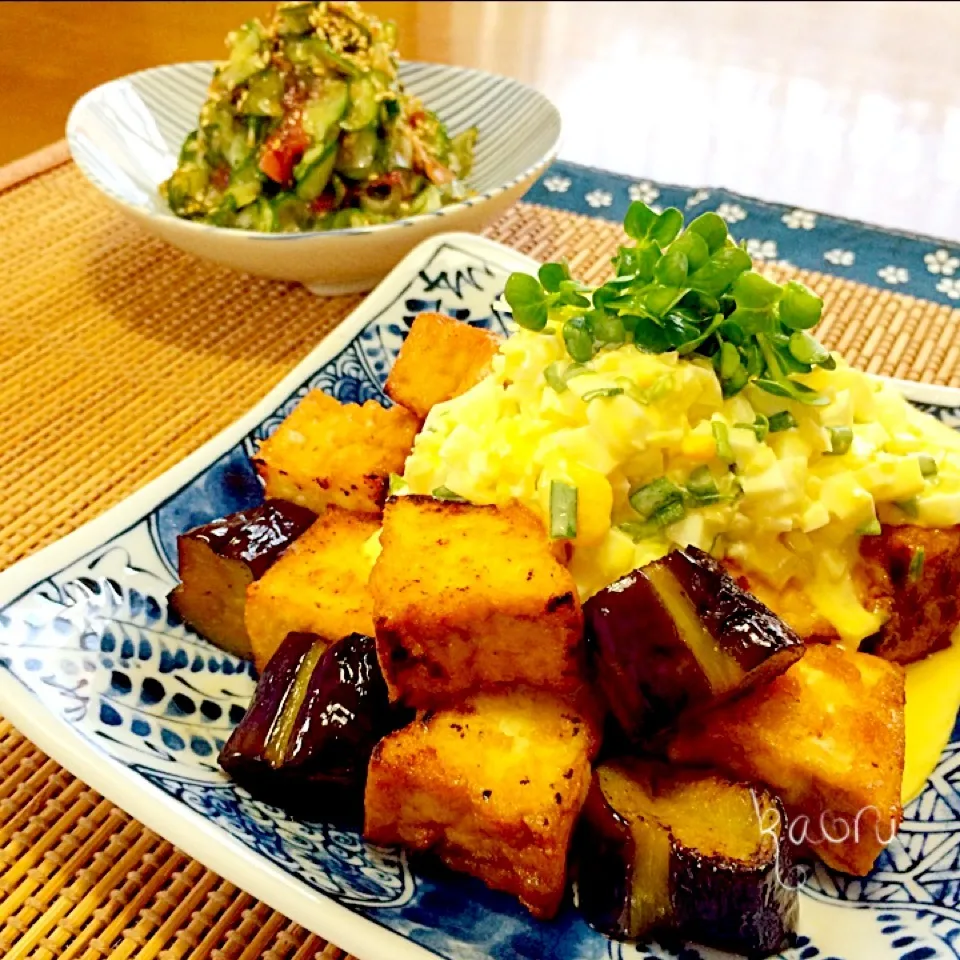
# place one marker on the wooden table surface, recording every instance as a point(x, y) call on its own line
point(848, 107)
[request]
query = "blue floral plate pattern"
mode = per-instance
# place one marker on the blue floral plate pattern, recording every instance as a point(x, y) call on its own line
point(97, 672)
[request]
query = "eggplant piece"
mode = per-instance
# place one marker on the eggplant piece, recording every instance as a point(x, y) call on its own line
point(316, 715)
point(684, 854)
point(679, 634)
point(219, 560)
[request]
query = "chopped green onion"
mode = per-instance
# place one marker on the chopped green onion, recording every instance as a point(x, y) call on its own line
point(870, 529)
point(396, 485)
point(928, 466)
point(841, 439)
point(659, 388)
point(717, 547)
point(784, 420)
point(631, 390)
point(721, 437)
point(563, 510)
point(601, 392)
point(915, 571)
point(654, 496)
point(445, 493)
point(638, 530)
point(671, 513)
point(702, 487)
point(760, 427)
point(910, 507)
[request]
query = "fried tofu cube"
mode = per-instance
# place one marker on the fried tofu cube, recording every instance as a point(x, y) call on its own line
point(494, 786)
point(919, 569)
point(318, 586)
point(219, 560)
point(468, 597)
point(440, 359)
point(828, 737)
point(327, 452)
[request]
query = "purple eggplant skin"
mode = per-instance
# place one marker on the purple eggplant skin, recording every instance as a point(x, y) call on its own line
point(645, 673)
point(255, 537)
point(602, 865)
point(641, 662)
point(745, 628)
point(342, 712)
point(218, 562)
point(749, 909)
point(746, 907)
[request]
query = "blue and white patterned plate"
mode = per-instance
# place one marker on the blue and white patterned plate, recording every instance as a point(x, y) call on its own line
point(125, 137)
point(95, 671)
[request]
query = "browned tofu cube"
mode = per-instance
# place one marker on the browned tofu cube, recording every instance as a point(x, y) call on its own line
point(219, 560)
point(468, 597)
point(494, 786)
point(919, 570)
point(828, 737)
point(327, 452)
point(318, 586)
point(440, 359)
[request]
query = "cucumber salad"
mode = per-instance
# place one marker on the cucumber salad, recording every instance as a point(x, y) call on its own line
point(307, 127)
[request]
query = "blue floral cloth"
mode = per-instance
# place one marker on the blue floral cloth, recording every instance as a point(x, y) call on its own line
point(920, 266)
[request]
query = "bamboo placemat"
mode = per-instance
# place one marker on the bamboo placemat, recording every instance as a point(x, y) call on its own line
point(120, 355)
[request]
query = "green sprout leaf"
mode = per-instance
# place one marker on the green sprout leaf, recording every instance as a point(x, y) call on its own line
point(552, 275)
point(638, 220)
point(712, 227)
point(693, 291)
point(527, 302)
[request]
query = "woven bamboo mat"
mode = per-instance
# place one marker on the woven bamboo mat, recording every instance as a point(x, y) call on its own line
point(118, 356)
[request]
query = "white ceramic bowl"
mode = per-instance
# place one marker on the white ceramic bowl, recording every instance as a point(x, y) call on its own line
point(126, 134)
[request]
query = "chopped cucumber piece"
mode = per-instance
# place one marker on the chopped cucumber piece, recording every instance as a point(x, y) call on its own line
point(461, 152)
point(305, 52)
point(357, 156)
point(190, 151)
point(290, 213)
point(321, 116)
point(336, 61)
point(258, 216)
point(184, 188)
point(246, 185)
point(247, 55)
point(313, 172)
point(427, 201)
point(293, 20)
point(264, 95)
point(363, 104)
point(240, 148)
